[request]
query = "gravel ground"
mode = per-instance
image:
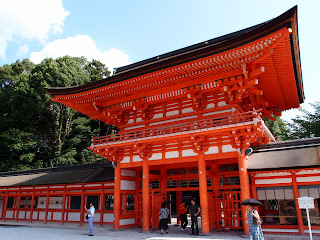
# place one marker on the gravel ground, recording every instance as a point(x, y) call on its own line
point(69, 231)
point(74, 232)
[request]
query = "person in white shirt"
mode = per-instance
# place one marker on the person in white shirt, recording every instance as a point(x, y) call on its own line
point(90, 219)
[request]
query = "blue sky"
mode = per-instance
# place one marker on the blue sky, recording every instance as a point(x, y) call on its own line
point(126, 31)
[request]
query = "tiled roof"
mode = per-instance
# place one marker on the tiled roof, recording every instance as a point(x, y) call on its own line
point(286, 154)
point(96, 172)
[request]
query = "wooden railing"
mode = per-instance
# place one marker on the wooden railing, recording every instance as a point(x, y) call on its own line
point(153, 131)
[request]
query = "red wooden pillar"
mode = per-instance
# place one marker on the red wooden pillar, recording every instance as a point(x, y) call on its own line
point(215, 184)
point(32, 206)
point(47, 206)
point(117, 197)
point(137, 197)
point(298, 210)
point(83, 202)
point(145, 195)
point(18, 205)
point(244, 185)
point(63, 205)
point(4, 210)
point(203, 192)
point(102, 200)
point(178, 202)
point(163, 181)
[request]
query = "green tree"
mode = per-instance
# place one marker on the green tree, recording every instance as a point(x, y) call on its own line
point(37, 132)
point(278, 128)
point(307, 124)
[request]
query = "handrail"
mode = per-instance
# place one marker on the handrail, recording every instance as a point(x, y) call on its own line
point(177, 128)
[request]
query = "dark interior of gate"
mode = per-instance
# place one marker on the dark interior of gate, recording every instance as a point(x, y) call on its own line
point(182, 181)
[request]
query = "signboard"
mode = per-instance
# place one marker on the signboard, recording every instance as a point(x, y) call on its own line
point(306, 202)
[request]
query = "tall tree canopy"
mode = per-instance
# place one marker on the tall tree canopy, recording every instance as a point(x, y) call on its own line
point(306, 125)
point(36, 132)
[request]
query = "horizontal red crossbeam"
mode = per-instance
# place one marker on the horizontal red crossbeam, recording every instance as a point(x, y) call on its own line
point(177, 128)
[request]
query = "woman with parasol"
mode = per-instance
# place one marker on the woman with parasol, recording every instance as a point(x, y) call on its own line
point(254, 220)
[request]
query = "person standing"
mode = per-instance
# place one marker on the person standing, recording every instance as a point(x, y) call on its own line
point(183, 216)
point(90, 217)
point(163, 216)
point(255, 231)
point(194, 212)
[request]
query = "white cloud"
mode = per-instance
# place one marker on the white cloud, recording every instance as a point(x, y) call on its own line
point(32, 19)
point(81, 45)
point(23, 49)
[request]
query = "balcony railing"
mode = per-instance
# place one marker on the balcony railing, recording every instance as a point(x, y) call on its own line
point(183, 127)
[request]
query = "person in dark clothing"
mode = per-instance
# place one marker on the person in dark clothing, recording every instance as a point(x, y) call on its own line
point(183, 216)
point(194, 212)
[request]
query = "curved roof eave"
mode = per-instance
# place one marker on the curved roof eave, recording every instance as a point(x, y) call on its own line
point(207, 48)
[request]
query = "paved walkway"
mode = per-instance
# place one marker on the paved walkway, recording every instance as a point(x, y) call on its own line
point(52, 231)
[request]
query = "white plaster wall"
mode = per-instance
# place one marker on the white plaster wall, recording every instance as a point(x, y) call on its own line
point(308, 171)
point(308, 179)
point(128, 173)
point(73, 216)
point(136, 158)
point(108, 217)
point(172, 154)
point(221, 104)
point(156, 156)
point(57, 215)
point(273, 181)
point(127, 221)
point(128, 185)
point(21, 214)
point(188, 153)
point(28, 215)
point(187, 110)
point(9, 214)
point(42, 215)
point(210, 105)
point(212, 150)
point(157, 116)
point(96, 217)
point(34, 214)
point(273, 174)
point(228, 148)
point(139, 119)
point(172, 113)
point(125, 160)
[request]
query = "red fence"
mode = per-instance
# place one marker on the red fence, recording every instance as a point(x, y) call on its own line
point(184, 126)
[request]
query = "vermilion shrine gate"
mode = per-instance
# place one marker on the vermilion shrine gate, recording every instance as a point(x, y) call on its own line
point(187, 117)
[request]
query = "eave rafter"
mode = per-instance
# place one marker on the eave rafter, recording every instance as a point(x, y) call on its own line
point(213, 65)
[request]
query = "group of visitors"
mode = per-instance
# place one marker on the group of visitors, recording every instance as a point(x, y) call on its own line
point(193, 210)
point(255, 231)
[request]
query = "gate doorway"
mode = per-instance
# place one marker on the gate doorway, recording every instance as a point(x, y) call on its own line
point(156, 199)
point(230, 209)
